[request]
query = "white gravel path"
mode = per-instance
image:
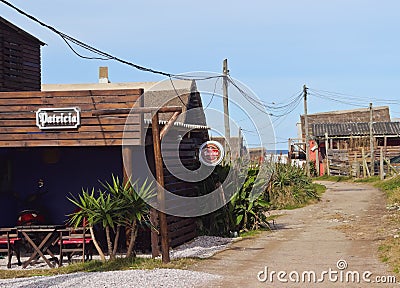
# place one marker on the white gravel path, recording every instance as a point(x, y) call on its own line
point(168, 278)
point(200, 247)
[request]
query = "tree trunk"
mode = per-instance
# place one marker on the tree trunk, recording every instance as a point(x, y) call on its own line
point(116, 240)
point(101, 254)
point(132, 241)
point(109, 243)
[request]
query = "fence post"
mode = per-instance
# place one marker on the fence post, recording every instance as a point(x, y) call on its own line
point(363, 162)
point(328, 171)
point(381, 171)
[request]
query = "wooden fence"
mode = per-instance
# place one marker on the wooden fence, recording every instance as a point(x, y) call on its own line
point(356, 162)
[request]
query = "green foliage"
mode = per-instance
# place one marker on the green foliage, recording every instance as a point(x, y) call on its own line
point(118, 205)
point(390, 184)
point(132, 199)
point(288, 187)
point(334, 178)
point(243, 212)
point(100, 208)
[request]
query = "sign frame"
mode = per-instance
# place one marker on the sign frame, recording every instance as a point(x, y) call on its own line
point(59, 117)
point(214, 145)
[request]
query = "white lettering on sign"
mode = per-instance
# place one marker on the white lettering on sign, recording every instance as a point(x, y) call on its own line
point(211, 153)
point(58, 118)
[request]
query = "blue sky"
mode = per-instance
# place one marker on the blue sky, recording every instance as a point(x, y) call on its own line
point(274, 47)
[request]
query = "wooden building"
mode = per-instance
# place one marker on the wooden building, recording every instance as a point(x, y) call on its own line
point(20, 68)
point(341, 140)
point(56, 136)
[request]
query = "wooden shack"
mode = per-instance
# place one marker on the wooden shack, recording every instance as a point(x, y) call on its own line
point(20, 68)
point(55, 136)
point(341, 140)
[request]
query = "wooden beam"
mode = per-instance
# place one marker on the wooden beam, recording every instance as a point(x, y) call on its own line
point(137, 110)
point(162, 217)
point(381, 170)
point(169, 124)
point(326, 152)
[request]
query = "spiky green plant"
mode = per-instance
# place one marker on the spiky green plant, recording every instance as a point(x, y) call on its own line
point(135, 210)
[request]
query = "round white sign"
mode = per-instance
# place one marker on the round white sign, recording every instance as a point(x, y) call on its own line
point(211, 153)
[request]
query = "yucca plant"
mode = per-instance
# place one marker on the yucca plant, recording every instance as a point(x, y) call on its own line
point(135, 210)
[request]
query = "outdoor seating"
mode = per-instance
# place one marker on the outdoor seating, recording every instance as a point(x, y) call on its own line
point(42, 239)
point(10, 243)
point(75, 241)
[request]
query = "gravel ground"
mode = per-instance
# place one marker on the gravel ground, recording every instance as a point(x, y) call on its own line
point(130, 278)
point(200, 247)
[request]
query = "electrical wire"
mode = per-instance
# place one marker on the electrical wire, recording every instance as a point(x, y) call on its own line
point(103, 55)
point(212, 96)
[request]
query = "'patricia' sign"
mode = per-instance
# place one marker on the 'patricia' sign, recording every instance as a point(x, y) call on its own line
point(58, 118)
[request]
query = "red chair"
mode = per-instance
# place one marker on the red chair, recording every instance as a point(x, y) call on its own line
point(10, 243)
point(75, 241)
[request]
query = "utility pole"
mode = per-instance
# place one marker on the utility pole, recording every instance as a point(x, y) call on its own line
point(306, 131)
point(371, 139)
point(225, 73)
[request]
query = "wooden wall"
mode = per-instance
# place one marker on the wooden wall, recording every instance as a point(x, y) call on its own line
point(18, 118)
point(19, 59)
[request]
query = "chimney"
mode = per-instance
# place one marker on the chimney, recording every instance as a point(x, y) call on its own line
point(103, 75)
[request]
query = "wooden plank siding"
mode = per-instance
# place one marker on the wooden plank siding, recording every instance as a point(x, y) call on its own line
point(20, 62)
point(18, 118)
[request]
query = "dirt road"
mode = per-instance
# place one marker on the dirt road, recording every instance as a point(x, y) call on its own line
point(346, 226)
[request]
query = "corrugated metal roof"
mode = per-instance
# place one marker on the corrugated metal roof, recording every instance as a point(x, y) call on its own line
point(355, 129)
point(179, 124)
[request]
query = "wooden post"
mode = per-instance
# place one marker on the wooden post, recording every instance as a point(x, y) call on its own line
point(155, 249)
point(162, 217)
point(363, 162)
point(381, 171)
point(225, 73)
point(371, 140)
point(328, 171)
point(357, 164)
point(306, 131)
point(127, 160)
point(317, 158)
point(384, 146)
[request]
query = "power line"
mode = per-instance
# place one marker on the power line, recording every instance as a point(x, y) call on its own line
point(212, 96)
point(103, 55)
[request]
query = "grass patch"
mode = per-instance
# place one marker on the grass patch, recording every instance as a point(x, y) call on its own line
point(98, 266)
point(295, 197)
point(372, 179)
point(333, 178)
point(392, 189)
point(251, 233)
point(389, 251)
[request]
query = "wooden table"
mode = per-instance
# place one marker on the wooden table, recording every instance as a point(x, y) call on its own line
point(45, 236)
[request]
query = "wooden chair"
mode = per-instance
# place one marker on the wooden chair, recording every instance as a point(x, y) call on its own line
point(75, 241)
point(10, 243)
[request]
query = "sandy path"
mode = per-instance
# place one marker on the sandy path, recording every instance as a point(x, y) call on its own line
point(345, 225)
